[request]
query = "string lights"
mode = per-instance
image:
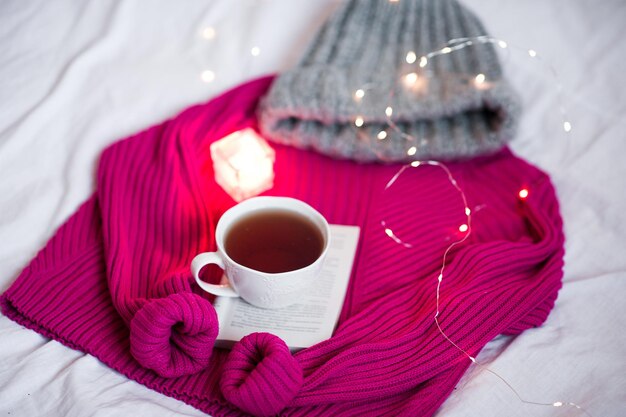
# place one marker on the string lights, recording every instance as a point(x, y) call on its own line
point(480, 81)
point(209, 33)
point(207, 76)
point(414, 80)
point(466, 229)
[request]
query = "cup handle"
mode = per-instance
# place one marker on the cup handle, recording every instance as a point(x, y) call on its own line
point(200, 261)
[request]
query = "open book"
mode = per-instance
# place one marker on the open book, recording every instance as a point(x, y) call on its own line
point(307, 322)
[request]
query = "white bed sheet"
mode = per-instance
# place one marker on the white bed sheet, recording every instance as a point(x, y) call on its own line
point(76, 76)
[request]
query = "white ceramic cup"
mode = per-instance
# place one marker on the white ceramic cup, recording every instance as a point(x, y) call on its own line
point(262, 289)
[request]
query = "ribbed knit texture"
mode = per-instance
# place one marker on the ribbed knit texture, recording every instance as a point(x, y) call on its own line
point(277, 375)
point(114, 281)
point(364, 45)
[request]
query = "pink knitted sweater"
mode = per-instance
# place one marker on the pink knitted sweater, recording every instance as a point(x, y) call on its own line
point(114, 281)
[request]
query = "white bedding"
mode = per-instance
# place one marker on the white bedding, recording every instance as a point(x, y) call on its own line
point(76, 76)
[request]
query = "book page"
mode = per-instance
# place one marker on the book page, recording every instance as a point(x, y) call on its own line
point(307, 322)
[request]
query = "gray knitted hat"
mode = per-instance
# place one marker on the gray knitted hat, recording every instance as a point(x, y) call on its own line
point(378, 66)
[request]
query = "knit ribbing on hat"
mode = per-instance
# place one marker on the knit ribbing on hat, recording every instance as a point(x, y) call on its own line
point(114, 280)
point(364, 46)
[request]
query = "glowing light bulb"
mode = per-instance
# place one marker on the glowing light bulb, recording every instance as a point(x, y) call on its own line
point(423, 61)
point(532, 53)
point(480, 78)
point(440, 277)
point(412, 150)
point(523, 193)
point(446, 50)
point(415, 164)
point(358, 122)
point(410, 79)
point(389, 232)
point(207, 76)
point(468, 211)
point(208, 33)
point(557, 404)
point(502, 44)
point(411, 57)
point(255, 51)
point(381, 135)
point(567, 126)
point(359, 94)
point(389, 111)
point(463, 228)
